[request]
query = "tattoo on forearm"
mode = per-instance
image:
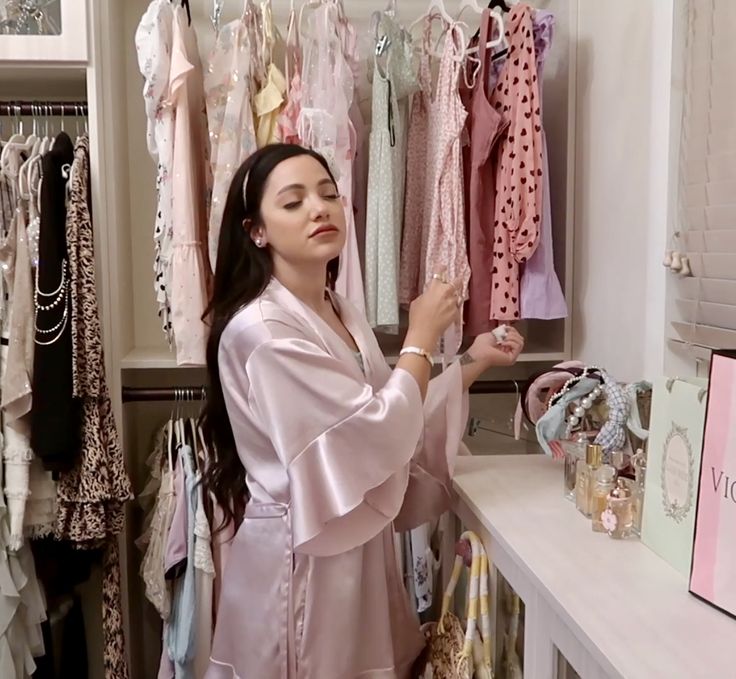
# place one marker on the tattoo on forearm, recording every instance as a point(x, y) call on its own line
point(466, 359)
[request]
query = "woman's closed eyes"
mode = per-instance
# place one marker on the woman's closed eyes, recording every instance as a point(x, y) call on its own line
point(294, 204)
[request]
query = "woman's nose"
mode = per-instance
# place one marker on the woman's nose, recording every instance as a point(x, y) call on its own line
point(318, 206)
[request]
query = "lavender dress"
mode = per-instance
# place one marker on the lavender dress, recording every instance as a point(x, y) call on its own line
point(336, 457)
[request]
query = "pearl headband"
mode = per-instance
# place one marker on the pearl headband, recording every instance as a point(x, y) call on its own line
point(531, 404)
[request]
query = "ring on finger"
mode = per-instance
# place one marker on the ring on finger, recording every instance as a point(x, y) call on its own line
point(439, 277)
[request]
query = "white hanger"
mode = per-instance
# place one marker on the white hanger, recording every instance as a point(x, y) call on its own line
point(310, 4)
point(434, 6)
point(216, 14)
point(470, 4)
point(500, 40)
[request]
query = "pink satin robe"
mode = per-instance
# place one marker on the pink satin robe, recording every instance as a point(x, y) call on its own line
point(335, 460)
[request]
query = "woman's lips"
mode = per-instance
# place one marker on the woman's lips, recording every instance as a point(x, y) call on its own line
point(323, 229)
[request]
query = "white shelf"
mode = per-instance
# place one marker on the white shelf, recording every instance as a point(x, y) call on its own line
point(539, 356)
point(45, 81)
point(149, 358)
point(160, 358)
point(613, 601)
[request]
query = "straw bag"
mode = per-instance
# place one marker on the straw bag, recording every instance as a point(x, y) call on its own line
point(450, 652)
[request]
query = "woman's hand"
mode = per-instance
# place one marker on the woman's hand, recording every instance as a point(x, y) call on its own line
point(497, 354)
point(432, 312)
point(487, 352)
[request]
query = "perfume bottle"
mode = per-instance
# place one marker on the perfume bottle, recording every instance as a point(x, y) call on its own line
point(604, 482)
point(574, 451)
point(618, 516)
point(618, 460)
point(639, 461)
point(584, 478)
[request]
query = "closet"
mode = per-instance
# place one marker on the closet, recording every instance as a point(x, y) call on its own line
point(95, 60)
point(146, 366)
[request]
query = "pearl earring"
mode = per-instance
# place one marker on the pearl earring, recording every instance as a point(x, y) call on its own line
point(259, 242)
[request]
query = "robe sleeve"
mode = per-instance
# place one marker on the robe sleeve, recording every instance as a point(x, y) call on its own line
point(446, 409)
point(347, 449)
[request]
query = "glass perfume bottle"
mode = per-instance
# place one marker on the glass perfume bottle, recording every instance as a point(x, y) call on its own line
point(604, 482)
point(639, 461)
point(618, 517)
point(584, 478)
point(574, 451)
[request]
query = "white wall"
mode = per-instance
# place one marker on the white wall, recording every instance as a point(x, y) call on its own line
point(623, 133)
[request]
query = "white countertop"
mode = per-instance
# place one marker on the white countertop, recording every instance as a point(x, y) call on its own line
point(632, 610)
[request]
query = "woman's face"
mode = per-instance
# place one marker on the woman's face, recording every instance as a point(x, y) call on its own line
point(303, 215)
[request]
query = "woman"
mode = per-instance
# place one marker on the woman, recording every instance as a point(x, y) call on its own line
point(331, 449)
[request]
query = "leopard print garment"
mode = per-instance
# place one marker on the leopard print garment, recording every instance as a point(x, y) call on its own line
point(91, 496)
point(443, 653)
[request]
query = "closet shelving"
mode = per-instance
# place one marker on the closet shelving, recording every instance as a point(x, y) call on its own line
point(145, 347)
point(94, 59)
point(139, 352)
point(84, 63)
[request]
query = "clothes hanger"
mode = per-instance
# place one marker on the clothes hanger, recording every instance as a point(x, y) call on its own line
point(268, 36)
point(310, 4)
point(24, 174)
point(382, 42)
point(217, 6)
point(500, 40)
point(436, 7)
point(17, 143)
point(500, 5)
point(469, 4)
point(185, 5)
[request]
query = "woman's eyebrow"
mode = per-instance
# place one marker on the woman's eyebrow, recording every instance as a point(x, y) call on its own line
point(289, 187)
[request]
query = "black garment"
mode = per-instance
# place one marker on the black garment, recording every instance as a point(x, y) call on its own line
point(65, 647)
point(55, 414)
point(61, 568)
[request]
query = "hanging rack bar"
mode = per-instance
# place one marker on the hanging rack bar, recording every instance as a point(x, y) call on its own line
point(198, 392)
point(496, 387)
point(43, 108)
point(190, 393)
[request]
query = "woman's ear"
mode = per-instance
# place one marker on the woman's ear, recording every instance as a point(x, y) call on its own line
point(258, 233)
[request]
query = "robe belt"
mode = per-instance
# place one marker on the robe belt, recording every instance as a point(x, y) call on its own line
point(273, 510)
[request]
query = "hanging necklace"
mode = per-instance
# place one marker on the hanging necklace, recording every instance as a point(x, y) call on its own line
point(58, 295)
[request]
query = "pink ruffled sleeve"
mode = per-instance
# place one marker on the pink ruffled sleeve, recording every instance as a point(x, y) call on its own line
point(445, 415)
point(347, 448)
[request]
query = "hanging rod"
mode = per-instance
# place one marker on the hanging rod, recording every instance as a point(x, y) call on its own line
point(496, 387)
point(198, 392)
point(190, 393)
point(43, 108)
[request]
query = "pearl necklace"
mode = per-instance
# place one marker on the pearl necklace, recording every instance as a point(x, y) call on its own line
point(568, 385)
point(586, 403)
point(58, 295)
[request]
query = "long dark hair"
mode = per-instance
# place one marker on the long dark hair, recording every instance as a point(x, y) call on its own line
point(242, 273)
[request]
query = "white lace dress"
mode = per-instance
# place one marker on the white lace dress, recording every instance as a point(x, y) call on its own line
point(229, 90)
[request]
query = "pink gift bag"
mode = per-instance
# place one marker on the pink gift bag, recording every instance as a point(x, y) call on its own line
point(713, 573)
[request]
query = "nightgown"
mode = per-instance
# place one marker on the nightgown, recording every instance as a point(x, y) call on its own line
point(336, 459)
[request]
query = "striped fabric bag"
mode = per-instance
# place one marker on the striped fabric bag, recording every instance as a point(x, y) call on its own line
point(450, 650)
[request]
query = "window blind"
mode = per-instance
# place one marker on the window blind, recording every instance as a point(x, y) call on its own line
point(705, 302)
